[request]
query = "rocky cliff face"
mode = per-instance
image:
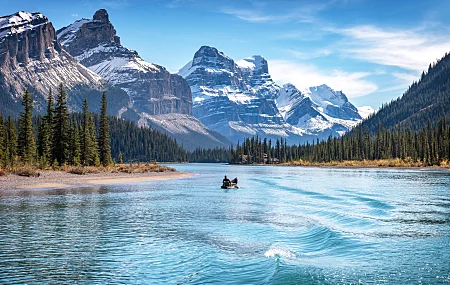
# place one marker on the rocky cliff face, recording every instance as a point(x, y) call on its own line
point(151, 88)
point(240, 99)
point(31, 58)
point(157, 98)
point(234, 99)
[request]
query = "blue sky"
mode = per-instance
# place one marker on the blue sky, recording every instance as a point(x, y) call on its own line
point(371, 50)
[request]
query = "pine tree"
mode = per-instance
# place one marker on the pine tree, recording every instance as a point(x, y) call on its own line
point(104, 147)
point(60, 144)
point(2, 142)
point(89, 150)
point(84, 135)
point(93, 156)
point(27, 143)
point(10, 142)
point(74, 144)
point(46, 133)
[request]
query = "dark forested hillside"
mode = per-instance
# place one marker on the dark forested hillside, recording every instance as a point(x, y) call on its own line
point(144, 144)
point(133, 143)
point(428, 99)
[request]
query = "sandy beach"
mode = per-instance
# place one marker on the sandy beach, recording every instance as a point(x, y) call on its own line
point(61, 179)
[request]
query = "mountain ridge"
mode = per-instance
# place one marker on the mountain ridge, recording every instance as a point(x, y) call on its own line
point(32, 58)
point(240, 99)
point(157, 98)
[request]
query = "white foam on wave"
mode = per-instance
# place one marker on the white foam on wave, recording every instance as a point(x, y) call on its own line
point(279, 252)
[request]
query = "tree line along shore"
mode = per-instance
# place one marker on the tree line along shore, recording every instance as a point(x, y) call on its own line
point(77, 143)
point(386, 148)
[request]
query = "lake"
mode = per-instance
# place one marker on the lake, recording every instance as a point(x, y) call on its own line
point(285, 225)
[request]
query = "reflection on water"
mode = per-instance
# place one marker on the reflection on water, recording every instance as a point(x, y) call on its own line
point(284, 226)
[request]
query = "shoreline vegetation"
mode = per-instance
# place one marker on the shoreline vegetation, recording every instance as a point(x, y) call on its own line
point(429, 147)
point(28, 177)
point(66, 150)
point(379, 163)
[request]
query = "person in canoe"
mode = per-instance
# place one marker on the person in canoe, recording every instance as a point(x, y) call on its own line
point(227, 183)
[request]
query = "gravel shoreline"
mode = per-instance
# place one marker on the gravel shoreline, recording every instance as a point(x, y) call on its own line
point(61, 179)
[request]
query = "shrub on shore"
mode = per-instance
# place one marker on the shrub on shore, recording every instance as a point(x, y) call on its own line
point(27, 171)
point(123, 168)
point(143, 168)
point(396, 162)
point(82, 170)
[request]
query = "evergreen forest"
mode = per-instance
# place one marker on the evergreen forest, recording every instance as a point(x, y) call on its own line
point(60, 138)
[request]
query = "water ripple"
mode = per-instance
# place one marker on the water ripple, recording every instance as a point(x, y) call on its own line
point(286, 225)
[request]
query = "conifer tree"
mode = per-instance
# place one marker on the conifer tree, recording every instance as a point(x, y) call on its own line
point(88, 146)
point(74, 144)
point(93, 158)
point(84, 136)
point(27, 143)
point(104, 146)
point(46, 133)
point(120, 158)
point(10, 142)
point(2, 142)
point(60, 144)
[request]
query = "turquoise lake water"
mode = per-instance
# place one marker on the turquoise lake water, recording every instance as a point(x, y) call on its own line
point(285, 225)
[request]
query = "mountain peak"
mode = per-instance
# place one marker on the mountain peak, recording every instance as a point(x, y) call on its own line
point(211, 57)
point(88, 33)
point(102, 16)
point(322, 87)
point(255, 63)
point(19, 22)
point(289, 86)
point(209, 51)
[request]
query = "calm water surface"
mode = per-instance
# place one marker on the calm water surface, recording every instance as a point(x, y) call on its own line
point(284, 226)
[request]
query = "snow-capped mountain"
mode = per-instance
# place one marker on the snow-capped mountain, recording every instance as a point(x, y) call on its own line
point(152, 90)
point(31, 58)
point(319, 110)
point(240, 99)
point(236, 99)
point(365, 111)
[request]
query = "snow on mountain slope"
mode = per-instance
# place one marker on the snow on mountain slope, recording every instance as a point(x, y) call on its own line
point(235, 99)
point(240, 99)
point(186, 129)
point(333, 103)
point(317, 109)
point(152, 90)
point(365, 111)
point(31, 58)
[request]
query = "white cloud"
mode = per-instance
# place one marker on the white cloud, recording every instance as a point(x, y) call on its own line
point(259, 17)
point(74, 15)
point(304, 76)
point(406, 77)
point(407, 49)
point(247, 15)
point(292, 11)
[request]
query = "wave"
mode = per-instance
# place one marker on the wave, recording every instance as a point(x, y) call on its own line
point(277, 252)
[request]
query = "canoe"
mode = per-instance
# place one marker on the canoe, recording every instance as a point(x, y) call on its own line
point(232, 186)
